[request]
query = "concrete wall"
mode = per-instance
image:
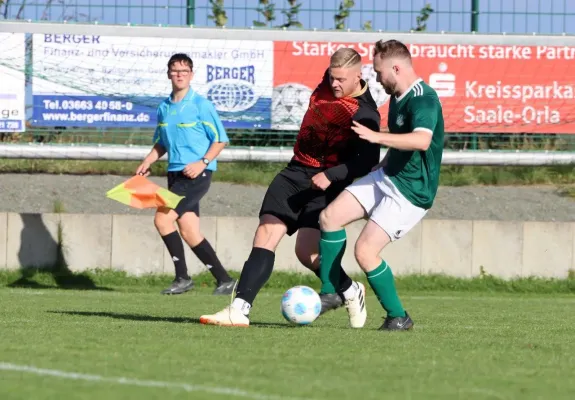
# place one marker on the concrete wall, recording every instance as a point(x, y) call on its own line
point(131, 243)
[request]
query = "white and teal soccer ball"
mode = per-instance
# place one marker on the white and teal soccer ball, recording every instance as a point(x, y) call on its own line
point(301, 305)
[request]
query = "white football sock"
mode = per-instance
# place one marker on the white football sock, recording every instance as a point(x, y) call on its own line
point(351, 292)
point(242, 306)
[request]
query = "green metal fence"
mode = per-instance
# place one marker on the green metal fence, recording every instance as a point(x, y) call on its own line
point(490, 16)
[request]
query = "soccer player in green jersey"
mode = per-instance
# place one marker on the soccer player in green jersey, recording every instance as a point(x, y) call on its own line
point(398, 192)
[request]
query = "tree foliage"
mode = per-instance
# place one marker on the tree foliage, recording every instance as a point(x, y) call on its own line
point(292, 15)
point(218, 15)
point(67, 10)
point(422, 18)
point(343, 12)
point(267, 10)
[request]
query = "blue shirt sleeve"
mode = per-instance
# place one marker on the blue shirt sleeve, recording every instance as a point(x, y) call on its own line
point(157, 136)
point(212, 124)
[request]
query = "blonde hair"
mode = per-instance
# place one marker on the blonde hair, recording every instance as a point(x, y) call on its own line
point(345, 57)
point(391, 49)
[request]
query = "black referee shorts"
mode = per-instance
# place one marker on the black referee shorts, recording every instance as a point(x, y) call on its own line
point(193, 190)
point(291, 199)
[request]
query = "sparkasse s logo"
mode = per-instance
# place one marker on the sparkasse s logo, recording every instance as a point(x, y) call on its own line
point(443, 82)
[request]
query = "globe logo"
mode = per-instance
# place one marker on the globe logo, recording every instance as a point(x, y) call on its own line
point(230, 95)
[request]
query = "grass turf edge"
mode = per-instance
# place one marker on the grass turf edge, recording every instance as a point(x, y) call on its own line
point(108, 279)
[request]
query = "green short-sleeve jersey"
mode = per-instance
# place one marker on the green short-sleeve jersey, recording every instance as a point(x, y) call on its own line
point(416, 173)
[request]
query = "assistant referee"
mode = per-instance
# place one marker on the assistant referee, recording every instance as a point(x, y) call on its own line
point(191, 132)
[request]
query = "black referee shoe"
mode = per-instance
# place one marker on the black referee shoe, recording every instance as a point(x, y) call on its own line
point(179, 286)
point(225, 288)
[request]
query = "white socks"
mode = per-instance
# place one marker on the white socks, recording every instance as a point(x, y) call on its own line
point(351, 292)
point(242, 306)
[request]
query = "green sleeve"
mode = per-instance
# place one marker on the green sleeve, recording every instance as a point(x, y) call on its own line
point(423, 112)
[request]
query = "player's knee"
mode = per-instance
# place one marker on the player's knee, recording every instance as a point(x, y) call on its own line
point(269, 233)
point(365, 255)
point(160, 220)
point(327, 218)
point(163, 220)
point(305, 255)
point(191, 235)
point(189, 225)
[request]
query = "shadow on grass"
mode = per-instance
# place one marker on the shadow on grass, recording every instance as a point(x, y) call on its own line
point(38, 244)
point(149, 318)
point(62, 280)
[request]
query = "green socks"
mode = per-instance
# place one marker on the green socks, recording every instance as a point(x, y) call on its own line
point(331, 250)
point(381, 281)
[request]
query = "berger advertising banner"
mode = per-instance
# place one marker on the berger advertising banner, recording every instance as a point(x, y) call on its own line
point(483, 88)
point(107, 81)
point(12, 83)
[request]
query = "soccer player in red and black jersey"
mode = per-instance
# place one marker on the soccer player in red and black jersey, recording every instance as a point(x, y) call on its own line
point(328, 156)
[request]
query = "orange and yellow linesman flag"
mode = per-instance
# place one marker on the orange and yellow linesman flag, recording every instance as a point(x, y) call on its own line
point(140, 192)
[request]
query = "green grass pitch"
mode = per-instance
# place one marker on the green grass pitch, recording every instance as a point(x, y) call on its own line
point(129, 342)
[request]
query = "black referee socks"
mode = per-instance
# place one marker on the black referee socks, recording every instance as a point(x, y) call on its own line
point(205, 252)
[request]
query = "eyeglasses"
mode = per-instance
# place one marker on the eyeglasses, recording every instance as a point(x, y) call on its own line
point(183, 72)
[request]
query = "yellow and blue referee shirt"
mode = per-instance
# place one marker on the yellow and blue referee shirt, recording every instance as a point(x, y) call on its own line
point(187, 129)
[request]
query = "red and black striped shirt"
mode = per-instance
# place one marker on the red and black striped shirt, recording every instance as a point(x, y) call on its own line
point(325, 139)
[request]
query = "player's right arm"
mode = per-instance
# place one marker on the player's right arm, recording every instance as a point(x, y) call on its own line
point(157, 151)
point(154, 155)
point(423, 112)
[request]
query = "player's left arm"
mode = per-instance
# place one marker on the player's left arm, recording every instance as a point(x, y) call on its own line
point(365, 154)
point(214, 130)
point(423, 111)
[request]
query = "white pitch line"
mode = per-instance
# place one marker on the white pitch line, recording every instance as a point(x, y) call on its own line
point(137, 382)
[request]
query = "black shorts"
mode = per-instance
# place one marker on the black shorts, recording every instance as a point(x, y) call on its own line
point(192, 189)
point(291, 199)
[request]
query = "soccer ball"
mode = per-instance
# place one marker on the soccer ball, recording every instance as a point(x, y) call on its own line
point(301, 305)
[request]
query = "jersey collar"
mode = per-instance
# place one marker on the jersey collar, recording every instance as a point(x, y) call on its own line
point(360, 91)
point(408, 89)
point(186, 98)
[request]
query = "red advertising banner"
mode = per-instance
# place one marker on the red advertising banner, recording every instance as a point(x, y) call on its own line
point(483, 88)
